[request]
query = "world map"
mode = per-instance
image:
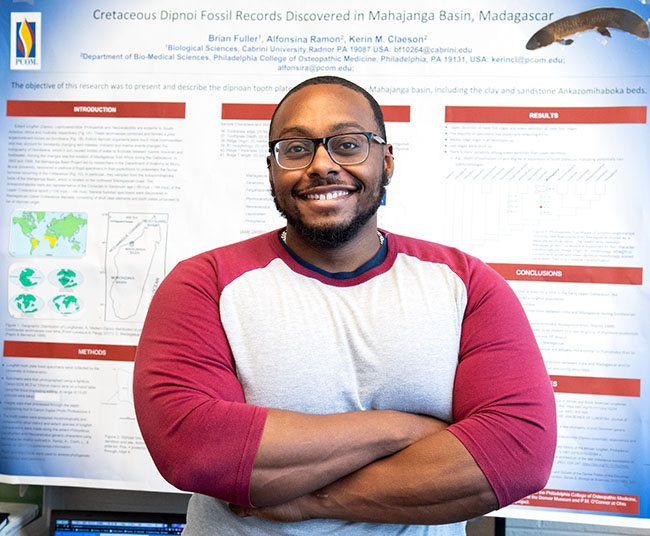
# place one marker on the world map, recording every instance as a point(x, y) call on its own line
point(28, 303)
point(48, 234)
point(66, 278)
point(66, 304)
point(28, 277)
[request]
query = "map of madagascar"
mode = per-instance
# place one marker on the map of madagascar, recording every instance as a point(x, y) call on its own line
point(48, 234)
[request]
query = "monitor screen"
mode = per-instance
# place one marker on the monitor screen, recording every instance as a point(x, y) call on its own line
point(94, 523)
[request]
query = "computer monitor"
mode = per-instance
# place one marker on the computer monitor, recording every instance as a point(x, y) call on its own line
point(96, 523)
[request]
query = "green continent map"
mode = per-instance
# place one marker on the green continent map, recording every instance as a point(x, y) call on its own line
point(48, 234)
point(26, 277)
point(27, 303)
point(66, 304)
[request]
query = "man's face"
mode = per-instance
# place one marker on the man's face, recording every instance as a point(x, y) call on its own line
point(325, 203)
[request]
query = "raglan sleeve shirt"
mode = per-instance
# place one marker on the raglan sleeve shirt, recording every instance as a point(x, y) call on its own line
point(503, 401)
point(203, 436)
point(190, 406)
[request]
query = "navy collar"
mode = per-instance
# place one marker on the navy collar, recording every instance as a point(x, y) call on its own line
point(379, 257)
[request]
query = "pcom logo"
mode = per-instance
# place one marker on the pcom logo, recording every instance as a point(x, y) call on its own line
point(26, 40)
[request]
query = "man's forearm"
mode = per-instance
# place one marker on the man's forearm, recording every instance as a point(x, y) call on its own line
point(301, 453)
point(433, 481)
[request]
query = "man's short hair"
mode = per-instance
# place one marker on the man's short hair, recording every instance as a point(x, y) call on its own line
point(338, 81)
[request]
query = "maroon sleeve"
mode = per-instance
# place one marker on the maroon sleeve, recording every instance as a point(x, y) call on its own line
point(503, 402)
point(190, 406)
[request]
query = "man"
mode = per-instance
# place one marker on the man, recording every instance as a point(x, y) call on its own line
point(331, 377)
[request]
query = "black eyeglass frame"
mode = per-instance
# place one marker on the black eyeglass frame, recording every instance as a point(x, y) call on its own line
point(325, 141)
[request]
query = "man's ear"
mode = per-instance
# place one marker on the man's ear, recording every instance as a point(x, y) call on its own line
point(389, 161)
point(268, 166)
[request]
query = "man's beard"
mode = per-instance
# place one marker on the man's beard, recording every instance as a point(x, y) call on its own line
point(333, 236)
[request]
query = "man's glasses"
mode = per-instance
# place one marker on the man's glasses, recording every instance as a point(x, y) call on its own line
point(344, 149)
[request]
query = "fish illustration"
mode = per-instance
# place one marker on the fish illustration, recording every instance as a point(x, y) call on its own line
point(599, 19)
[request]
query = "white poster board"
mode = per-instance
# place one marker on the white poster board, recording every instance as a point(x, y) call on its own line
point(135, 136)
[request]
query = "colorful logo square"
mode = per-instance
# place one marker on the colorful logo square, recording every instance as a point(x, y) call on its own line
point(25, 41)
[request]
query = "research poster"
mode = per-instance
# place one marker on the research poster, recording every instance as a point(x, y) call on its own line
point(135, 135)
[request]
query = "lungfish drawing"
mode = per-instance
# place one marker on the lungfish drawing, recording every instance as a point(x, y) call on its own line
point(599, 19)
